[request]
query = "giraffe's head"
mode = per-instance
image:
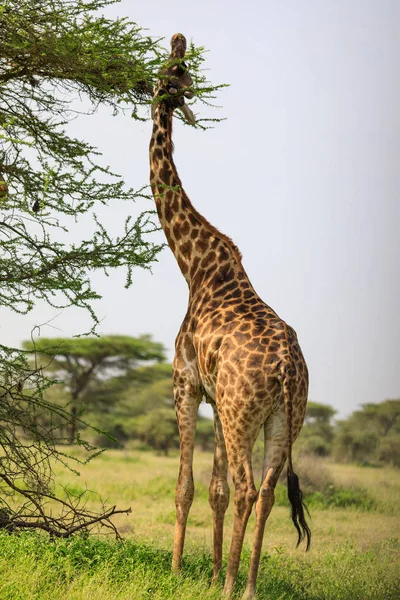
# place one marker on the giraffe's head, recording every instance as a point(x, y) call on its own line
point(175, 81)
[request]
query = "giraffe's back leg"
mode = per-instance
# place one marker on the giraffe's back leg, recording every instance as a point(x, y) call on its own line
point(219, 491)
point(187, 394)
point(275, 454)
point(239, 440)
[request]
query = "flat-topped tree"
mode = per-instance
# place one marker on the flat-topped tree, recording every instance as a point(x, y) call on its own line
point(231, 347)
point(81, 363)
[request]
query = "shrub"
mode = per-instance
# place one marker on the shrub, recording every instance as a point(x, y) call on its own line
point(320, 490)
point(389, 451)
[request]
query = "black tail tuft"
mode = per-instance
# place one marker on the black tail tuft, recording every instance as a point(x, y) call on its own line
point(298, 507)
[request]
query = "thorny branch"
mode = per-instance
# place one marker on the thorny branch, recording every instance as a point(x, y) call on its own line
point(31, 441)
point(53, 55)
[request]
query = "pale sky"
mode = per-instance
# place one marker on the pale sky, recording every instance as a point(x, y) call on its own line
point(303, 176)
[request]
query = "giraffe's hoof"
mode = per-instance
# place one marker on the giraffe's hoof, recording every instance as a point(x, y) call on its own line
point(173, 90)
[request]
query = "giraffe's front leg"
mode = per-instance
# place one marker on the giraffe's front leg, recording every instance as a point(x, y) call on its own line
point(187, 399)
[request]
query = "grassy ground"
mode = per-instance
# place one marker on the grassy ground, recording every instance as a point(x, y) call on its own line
point(354, 554)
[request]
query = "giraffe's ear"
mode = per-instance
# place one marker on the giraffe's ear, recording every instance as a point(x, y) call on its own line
point(188, 114)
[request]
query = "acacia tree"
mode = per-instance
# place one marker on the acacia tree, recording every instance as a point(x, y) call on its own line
point(114, 404)
point(370, 435)
point(318, 430)
point(53, 53)
point(83, 363)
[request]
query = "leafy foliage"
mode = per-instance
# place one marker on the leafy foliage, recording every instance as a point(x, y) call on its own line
point(141, 407)
point(60, 59)
point(318, 430)
point(53, 52)
point(82, 364)
point(53, 55)
point(205, 434)
point(29, 454)
point(370, 435)
point(158, 429)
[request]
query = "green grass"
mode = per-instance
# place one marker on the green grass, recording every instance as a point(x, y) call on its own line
point(382, 484)
point(354, 553)
point(35, 568)
point(331, 497)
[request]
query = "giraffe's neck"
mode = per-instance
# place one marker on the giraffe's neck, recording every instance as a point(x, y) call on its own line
point(199, 248)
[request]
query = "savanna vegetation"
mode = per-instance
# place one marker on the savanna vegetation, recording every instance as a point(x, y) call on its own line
point(120, 385)
point(354, 553)
point(123, 386)
point(369, 436)
point(126, 385)
point(63, 399)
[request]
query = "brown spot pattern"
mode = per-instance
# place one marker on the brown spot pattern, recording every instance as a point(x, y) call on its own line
point(232, 347)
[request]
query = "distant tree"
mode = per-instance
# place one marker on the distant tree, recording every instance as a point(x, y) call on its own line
point(389, 450)
point(115, 402)
point(319, 413)
point(353, 444)
point(145, 411)
point(118, 393)
point(205, 434)
point(151, 396)
point(370, 435)
point(141, 398)
point(317, 433)
point(158, 429)
point(84, 363)
point(384, 416)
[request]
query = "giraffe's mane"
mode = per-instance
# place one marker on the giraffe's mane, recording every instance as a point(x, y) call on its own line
point(202, 220)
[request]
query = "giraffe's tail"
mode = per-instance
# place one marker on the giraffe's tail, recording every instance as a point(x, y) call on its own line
point(298, 507)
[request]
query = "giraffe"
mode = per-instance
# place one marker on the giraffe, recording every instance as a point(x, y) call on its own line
point(232, 349)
